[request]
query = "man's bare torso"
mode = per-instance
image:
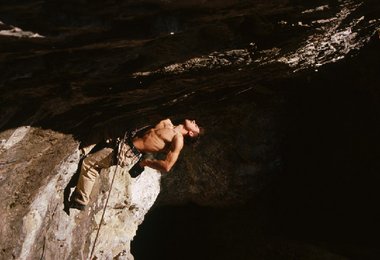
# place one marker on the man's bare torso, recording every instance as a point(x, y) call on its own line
point(158, 138)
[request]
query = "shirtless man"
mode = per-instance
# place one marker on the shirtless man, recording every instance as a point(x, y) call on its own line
point(164, 137)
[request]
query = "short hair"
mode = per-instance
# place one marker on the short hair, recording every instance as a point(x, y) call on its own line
point(195, 139)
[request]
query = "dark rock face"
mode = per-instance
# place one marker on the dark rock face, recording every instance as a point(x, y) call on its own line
point(287, 91)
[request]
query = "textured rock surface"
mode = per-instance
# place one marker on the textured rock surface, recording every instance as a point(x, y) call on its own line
point(36, 165)
point(287, 91)
point(35, 222)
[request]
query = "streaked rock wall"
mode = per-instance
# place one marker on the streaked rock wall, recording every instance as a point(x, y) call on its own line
point(36, 221)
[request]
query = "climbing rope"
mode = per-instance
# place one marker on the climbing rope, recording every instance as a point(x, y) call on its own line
point(109, 193)
point(104, 211)
point(126, 135)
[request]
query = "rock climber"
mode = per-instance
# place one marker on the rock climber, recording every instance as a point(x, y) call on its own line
point(164, 137)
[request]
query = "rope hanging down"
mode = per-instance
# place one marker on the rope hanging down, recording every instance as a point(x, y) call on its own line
point(109, 193)
point(133, 133)
point(104, 211)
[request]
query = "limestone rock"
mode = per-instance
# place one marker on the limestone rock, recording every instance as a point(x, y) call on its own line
point(37, 222)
